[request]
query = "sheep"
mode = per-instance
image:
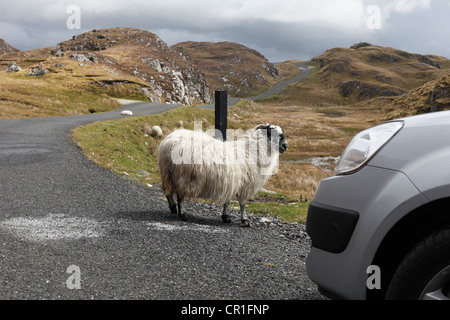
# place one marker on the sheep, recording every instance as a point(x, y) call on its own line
point(156, 132)
point(195, 165)
point(126, 113)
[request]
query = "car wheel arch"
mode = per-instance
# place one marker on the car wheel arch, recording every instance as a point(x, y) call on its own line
point(403, 235)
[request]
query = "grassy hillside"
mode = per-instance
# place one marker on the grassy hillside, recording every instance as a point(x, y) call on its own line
point(345, 76)
point(64, 90)
point(431, 97)
point(82, 74)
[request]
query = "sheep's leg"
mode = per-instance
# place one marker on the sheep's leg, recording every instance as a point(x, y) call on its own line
point(172, 204)
point(182, 215)
point(244, 217)
point(225, 217)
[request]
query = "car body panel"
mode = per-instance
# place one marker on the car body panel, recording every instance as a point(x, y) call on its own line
point(381, 197)
point(408, 172)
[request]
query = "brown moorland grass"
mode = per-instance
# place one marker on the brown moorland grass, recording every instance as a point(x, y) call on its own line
point(64, 90)
point(311, 132)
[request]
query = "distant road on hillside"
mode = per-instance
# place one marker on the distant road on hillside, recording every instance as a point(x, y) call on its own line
point(276, 88)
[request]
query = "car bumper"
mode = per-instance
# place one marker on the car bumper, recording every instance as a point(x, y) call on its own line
point(348, 219)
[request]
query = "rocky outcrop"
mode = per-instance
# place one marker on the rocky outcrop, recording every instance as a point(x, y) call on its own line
point(230, 66)
point(90, 57)
point(357, 46)
point(427, 60)
point(384, 57)
point(37, 71)
point(340, 65)
point(13, 67)
point(430, 97)
point(166, 75)
point(6, 48)
point(366, 90)
point(439, 95)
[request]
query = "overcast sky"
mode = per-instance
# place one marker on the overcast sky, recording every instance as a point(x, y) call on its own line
point(279, 29)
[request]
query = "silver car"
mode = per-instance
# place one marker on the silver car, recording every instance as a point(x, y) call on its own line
point(380, 227)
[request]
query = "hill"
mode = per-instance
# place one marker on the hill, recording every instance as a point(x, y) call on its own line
point(131, 63)
point(168, 75)
point(365, 71)
point(126, 63)
point(93, 67)
point(230, 66)
point(430, 97)
point(6, 48)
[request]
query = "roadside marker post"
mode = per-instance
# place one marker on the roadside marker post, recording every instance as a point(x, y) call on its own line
point(221, 110)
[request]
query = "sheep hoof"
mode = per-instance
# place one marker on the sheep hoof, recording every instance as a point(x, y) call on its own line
point(246, 223)
point(226, 219)
point(183, 217)
point(173, 209)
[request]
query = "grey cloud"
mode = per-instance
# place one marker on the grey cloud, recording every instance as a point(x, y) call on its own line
point(33, 24)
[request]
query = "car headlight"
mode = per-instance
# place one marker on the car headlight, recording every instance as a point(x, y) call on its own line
point(365, 145)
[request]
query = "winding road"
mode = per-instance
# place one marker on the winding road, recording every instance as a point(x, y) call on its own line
point(305, 71)
point(70, 229)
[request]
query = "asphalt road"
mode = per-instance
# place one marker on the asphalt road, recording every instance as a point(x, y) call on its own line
point(306, 71)
point(281, 85)
point(70, 229)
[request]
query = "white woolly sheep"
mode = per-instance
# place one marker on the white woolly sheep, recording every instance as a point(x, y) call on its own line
point(193, 164)
point(156, 132)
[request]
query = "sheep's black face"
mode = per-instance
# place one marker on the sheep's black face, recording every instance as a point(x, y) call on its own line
point(275, 133)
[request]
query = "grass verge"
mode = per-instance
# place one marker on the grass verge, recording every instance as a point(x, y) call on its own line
point(278, 205)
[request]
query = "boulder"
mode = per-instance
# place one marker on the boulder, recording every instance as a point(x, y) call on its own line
point(60, 53)
point(153, 63)
point(90, 57)
point(13, 67)
point(37, 71)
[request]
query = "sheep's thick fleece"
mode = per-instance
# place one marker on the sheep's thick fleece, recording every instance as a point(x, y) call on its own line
point(193, 164)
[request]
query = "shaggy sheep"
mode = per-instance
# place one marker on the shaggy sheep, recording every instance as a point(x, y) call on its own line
point(156, 132)
point(195, 165)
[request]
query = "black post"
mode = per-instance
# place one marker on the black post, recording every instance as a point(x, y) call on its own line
point(221, 113)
